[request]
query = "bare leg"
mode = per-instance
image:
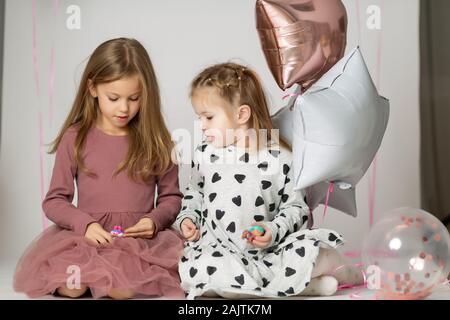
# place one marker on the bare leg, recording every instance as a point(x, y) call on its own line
point(321, 286)
point(329, 271)
point(330, 262)
point(72, 293)
point(120, 294)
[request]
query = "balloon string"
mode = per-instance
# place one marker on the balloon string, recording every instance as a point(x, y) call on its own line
point(352, 254)
point(372, 191)
point(363, 286)
point(51, 85)
point(34, 48)
point(52, 71)
point(373, 173)
point(358, 19)
point(329, 191)
point(38, 94)
point(41, 167)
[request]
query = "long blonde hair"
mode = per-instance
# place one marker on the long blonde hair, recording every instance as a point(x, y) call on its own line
point(240, 85)
point(150, 143)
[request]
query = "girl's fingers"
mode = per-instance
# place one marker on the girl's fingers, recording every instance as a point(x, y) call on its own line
point(262, 241)
point(146, 234)
point(91, 240)
point(260, 244)
point(135, 229)
point(195, 236)
point(187, 229)
point(188, 222)
point(265, 237)
point(107, 236)
point(191, 238)
point(100, 239)
point(189, 234)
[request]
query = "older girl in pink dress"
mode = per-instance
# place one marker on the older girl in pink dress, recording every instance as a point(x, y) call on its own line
point(116, 146)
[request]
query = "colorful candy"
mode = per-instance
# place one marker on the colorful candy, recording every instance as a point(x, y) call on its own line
point(252, 232)
point(117, 231)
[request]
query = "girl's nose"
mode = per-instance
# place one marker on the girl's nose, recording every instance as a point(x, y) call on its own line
point(124, 106)
point(203, 126)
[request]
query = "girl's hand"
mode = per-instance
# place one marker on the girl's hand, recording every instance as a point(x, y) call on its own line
point(189, 230)
point(96, 234)
point(145, 228)
point(261, 241)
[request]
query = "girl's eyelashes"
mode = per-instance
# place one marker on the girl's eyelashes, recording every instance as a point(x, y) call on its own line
point(115, 99)
point(208, 117)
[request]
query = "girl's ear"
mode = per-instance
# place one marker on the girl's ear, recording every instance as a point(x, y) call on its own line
point(92, 89)
point(244, 114)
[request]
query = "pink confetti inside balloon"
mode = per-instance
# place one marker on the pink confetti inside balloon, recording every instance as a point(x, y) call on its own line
point(408, 252)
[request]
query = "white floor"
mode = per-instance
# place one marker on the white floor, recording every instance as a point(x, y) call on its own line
point(7, 292)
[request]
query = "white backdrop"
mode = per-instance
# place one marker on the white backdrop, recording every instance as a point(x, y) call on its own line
point(182, 37)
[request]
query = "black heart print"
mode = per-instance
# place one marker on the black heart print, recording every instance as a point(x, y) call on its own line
point(212, 196)
point(300, 251)
point(259, 201)
point(219, 214)
point(193, 272)
point(263, 166)
point(237, 201)
point(216, 177)
point(210, 270)
point(239, 177)
point(214, 158)
point(266, 184)
point(245, 157)
point(240, 279)
point(258, 218)
point(231, 227)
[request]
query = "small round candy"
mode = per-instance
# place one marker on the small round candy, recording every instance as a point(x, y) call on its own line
point(256, 230)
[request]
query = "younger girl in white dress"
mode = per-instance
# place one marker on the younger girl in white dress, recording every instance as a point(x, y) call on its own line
point(241, 177)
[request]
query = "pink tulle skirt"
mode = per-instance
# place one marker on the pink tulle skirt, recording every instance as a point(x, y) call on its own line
point(149, 267)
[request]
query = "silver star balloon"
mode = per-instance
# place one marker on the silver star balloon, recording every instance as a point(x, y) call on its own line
point(335, 129)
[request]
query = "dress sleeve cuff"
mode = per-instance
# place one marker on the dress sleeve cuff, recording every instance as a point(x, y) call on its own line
point(81, 223)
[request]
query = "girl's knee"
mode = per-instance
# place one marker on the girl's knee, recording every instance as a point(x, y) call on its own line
point(120, 294)
point(72, 293)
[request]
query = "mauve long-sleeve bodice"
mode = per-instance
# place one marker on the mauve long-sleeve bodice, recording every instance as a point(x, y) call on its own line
point(105, 193)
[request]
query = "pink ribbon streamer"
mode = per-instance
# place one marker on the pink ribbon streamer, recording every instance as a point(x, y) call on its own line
point(291, 95)
point(40, 120)
point(373, 175)
point(373, 170)
point(52, 71)
point(352, 254)
point(358, 19)
point(34, 48)
point(51, 84)
point(41, 167)
point(329, 191)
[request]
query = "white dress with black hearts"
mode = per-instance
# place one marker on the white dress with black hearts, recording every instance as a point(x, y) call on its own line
point(229, 189)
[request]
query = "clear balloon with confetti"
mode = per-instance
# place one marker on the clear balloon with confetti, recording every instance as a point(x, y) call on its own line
point(407, 254)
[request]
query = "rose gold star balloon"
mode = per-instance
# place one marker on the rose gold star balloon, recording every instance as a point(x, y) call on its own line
point(301, 39)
